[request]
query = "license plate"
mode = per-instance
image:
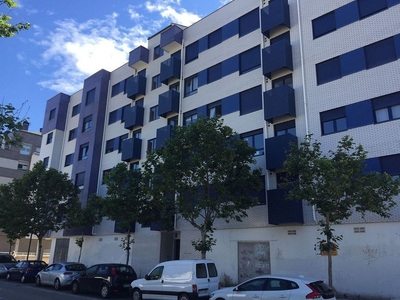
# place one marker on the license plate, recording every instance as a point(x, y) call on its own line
point(126, 285)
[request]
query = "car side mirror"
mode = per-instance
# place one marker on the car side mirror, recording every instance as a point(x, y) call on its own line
point(147, 277)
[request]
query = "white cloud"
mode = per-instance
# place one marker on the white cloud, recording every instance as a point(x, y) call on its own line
point(223, 2)
point(177, 15)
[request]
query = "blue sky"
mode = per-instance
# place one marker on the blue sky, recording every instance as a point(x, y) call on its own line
point(71, 39)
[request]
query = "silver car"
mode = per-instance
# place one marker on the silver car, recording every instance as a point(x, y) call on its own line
point(60, 274)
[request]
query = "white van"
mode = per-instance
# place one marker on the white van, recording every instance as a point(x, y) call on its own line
point(178, 279)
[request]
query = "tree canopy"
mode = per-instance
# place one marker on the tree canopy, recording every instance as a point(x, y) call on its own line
point(10, 124)
point(202, 173)
point(6, 28)
point(337, 185)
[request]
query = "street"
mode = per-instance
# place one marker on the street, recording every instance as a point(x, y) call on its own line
point(15, 290)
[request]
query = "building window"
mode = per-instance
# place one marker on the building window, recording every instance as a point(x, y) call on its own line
point(250, 100)
point(69, 159)
point(328, 70)
point(22, 166)
point(134, 166)
point(137, 134)
point(380, 53)
point(117, 88)
point(151, 145)
point(324, 24)
point(173, 121)
point(154, 113)
point(158, 52)
point(333, 120)
point(80, 180)
point(90, 96)
point(370, 7)
point(109, 146)
point(192, 52)
point(214, 109)
point(282, 37)
point(83, 151)
point(105, 172)
point(49, 138)
point(155, 82)
point(215, 38)
point(386, 108)
point(174, 87)
point(113, 117)
point(120, 141)
point(123, 113)
point(214, 73)
point(249, 22)
point(72, 134)
point(139, 102)
point(391, 165)
point(285, 80)
point(46, 161)
point(250, 60)
point(255, 139)
point(76, 110)
point(189, 118)
point(87, 123)
point(285, 128)
point(191, 85)
point(25, 149)
point(52, 114)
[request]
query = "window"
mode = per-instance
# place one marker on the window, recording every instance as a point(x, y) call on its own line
point(87, 123)
point(117, 88)
point(249, 22)
point(113, 117)
point(192, 52)
point(333, 120)
point(285, 80)
point(76, 110)
point(139, 102)
point(109, 146)
point(120, 140)
point(386, 108)
point(90, 96)
point(191, 85)
point(173, 121)
point(215, 38)
point(52, 114)
point(80, 180)
point(25, 149)
point(137, 134)
point(285, 128)
point(380, 53)
point(189, 117)
point(49, 138)
point(391, 165)
point(124, 109)
point(214, 109)
point(22, 166)
point(69, 159)
point(155, 82)
point(324, 24)
point(158, 52)
point(154, 113)
point(250, 60)
point(83, 151)
point(370, 7)
point(134, 166)
point(72, 134)
point(105, 172)
point(250, 100)
point(174, 87)
point(255, 139)
point(328, 70)
point(46, 161)
point(151, 145)
point(282, 37)
point(214, 73)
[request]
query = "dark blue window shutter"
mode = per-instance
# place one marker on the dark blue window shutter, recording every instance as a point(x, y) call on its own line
point(380, 53)
point(328, 70)
point(214, 73)
point(192, 52)
point(369, 7)
point(250, 60)
point(249, 22)
point(324, 24)
point(250, 100)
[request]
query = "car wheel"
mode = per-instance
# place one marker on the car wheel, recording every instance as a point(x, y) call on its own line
point(75, 287)
point(38, 281)
point(57, 284)
point(136, 295)
point(23, 278)
point(105, 291)
point(8, 277)
point(183, 297)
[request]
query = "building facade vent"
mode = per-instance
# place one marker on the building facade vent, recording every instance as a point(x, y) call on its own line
point(359, 229)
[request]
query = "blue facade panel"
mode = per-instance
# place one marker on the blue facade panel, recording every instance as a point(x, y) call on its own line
point(279, 102)
point(202, 78)
point(170, 69)
point(359, 114)
point(346, 14)
point(134, 117)
point(231, 65)
point(396, 39)
point(131, 149)
point(230, 104)
point(135, 86)
point(353, 62)
point(168, 102)
point(202, 111)
point(373, 165)
point(276, 14)
point(60, 104)
point(282, 211)
point(163, 134)
point(277, 56)
point(203, 44)
point(275, 150)
point(231, 29)
point(393, 2)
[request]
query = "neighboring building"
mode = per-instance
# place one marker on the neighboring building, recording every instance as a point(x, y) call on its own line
point(275, 71)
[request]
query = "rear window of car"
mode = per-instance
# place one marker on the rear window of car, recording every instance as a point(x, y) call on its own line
point(124, 270)
point(321, 287)
point(77, 267)
point(7, 259)
point(212, 270)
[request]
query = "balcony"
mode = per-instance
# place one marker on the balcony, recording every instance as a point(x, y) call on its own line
point(275, 148)
point(276, 57)
point(279, 102)
point(282, 211)
point(134, 117)
point(170, 69)
point(171, 39)
point(163, 134)
point(168, 103)
point(275, 16)
point(131, 149)
point(139, 58)
point(135, 86)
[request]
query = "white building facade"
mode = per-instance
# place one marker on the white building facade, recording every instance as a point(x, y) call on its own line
point(275, 71)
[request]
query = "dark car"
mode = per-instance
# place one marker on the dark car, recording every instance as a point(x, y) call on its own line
point(7, 261)
point(26, 270)
point(106, 279)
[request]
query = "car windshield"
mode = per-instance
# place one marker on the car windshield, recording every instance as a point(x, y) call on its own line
point(124, 270)
point(77, 267)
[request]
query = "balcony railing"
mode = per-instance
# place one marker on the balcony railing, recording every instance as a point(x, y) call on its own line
point(168, 102)
point(283, 211)
point(279, 102)
point(170, 69)
point(275, 149)
point(276, 57)
point(135, 86)
point(131, 149)
point(171, 39)
point(275, 16)
point(134, 117)
point(139, 58)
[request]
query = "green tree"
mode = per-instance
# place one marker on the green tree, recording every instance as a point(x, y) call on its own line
point(123, 202)
point(203, 173)
point(6, 28)
point(11, 124)
point(44, 199)
point(336, 185)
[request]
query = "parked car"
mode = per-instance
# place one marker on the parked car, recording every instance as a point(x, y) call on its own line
point(26, 270)
point(106, 279)
point(59, 274)
point(276, 287)
point(178, 279)
point(6, 262)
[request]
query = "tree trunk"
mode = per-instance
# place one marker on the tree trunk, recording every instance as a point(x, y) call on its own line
point(128, 246)
point(203, 240)
point(39, 254)
point(328, 242)
point(80, 248)
point(29, 247)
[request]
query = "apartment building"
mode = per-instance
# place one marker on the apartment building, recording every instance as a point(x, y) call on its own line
point(275, 71)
